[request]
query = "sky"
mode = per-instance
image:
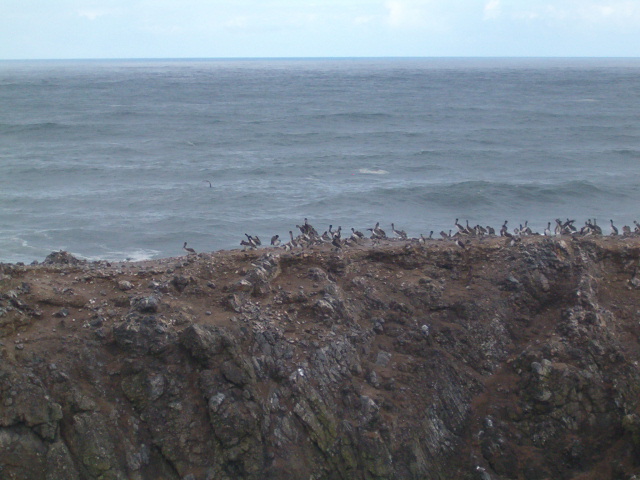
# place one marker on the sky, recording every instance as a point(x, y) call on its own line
point(82, 29)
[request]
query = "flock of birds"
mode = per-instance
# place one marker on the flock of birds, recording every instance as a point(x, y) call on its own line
point(309, 236)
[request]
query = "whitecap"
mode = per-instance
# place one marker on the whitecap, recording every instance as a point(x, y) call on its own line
point(136, 255)
point(369, 171)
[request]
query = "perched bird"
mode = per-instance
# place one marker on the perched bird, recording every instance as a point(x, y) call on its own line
point(358, 234)
point(246, 244)
point(253, 241)
point(309, 230)
point(189, 250)
point(614, 230)
point(378, 232)
point(547, 231)
point(399, 233)
point(275, 240)
point(292, 241)
point(503, 229)
point(336, 242)
point(558, 230)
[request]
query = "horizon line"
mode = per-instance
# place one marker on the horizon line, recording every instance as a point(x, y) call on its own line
point(384, 57)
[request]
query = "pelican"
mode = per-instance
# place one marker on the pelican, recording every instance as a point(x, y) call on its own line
point(189, 250)
point(275, 240)
point(357, 233)
point(378, 231)
point(400, 233)
point(614, 230)
point(254, 241)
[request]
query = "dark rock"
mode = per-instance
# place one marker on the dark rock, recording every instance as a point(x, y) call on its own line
point(149, 304)
point(395, 361)
point(179, 282)
point(62, 258)
point(142, 335)
point(205, 343)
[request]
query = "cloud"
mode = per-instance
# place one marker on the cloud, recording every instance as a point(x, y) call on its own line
point(364, 19)
point(419, 14)
point(612, 13)
point(92, 14)
point(492, 9)
point(402, 14)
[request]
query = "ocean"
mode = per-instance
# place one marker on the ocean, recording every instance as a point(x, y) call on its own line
point(112, 159)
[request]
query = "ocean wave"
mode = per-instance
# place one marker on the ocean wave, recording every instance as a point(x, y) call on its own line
point(33, 127)
point(476, 194)
point(626, 152)
point(503, 193)
point(135, 255)
point(373, 171)
point(352, 116)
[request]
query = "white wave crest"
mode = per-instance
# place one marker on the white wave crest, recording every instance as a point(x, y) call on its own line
point(370, 171)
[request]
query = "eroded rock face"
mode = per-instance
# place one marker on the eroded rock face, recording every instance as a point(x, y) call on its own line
point(395, 361)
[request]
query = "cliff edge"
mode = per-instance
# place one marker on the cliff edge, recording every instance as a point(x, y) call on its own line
point(395, 361)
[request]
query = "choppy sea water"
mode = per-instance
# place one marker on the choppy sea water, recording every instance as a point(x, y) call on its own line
point(113, 159)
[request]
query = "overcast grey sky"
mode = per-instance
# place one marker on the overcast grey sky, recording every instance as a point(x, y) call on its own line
point(56, 29)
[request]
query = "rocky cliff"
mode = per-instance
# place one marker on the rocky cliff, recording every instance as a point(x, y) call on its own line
point(396, 361)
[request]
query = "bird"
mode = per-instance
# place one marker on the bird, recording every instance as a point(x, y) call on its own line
point(547, 231)
point(292, 240)
point(460, 244)
point(614, 230)
point(253, 241)
point(399, 233)
point(246, 244)
point(559, 230)
point(378, 232)
point(309, 230)
point(357, 233)
point(188, 249)
point(503, 229)
point(356, 236)
point(275, 240)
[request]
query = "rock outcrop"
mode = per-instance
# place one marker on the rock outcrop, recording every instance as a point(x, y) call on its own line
point(401, 360)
